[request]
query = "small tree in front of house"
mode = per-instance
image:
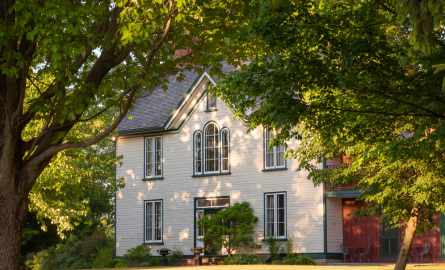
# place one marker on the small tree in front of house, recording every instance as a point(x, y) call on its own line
point(230, 228)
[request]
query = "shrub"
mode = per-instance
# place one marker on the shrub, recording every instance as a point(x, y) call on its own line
point(105, 255)
point(290, 258)
point(274, 248)
point(155, 261)
point(121, 264)
point(274, 262)
point(305, 261)
point(138, 254)
point(176, 254)
point(111, 263)
point(289, 261)
point(75, 253)
point(230, 229)
point(243, 258)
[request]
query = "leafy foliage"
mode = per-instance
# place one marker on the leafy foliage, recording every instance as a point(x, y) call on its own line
point(139, 254)
point(274, 248)
point(305, 261)
point(243, 258)
point(230, 228)
point(349, 79)
point(76, 253)
point(176, 254)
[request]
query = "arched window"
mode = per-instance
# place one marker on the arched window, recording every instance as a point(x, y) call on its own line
point(198, 153)
point(225, 150)
point(211, 149)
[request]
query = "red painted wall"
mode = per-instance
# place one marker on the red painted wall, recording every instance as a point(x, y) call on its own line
point(359, 232)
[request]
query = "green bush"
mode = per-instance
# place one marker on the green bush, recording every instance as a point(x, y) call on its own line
point(288, 261)
point(230, 229)
point(104, 256)
point(305, 261)
point(75, 253)
point(138, 254)
point(274, 248)
point(243, 258)
point(176, 254)
point(274, 262)
point(121, 264)
point(155, 261)
point(111, 263)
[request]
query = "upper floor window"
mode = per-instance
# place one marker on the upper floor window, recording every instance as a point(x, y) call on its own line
point(211, 100)
point(198, 152)
point(153, 221)
point(274, 156)
point(225, 150)
point(211, 149)
point(153, 157)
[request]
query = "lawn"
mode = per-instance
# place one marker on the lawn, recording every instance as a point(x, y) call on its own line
point(289, 267)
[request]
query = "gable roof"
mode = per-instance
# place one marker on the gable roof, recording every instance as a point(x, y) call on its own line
point(153, 110)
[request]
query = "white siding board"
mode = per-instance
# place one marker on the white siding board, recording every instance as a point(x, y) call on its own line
point(334, 211)
point(246, 183)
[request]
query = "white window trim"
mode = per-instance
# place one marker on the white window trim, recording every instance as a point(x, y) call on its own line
point(218, 147)
point(194, 153)
point(275, 153)
point(276, 214)
point(153, 157)
point(153, 220)
point(228, 150)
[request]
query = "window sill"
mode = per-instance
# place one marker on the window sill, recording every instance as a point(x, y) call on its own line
point(211, 110)
point(155, 243)
point(210, 174)
point(274, 169)
point(277, 239)
point(153, 179)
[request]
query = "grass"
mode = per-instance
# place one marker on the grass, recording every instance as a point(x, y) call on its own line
point(288, 267)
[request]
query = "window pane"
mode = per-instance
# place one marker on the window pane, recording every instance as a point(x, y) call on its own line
point(200, 230)
point(281, 215)
point(149, 170)
point(225, 165)
point(270, 215)
point(204, 203)
point(158, 144)
point(280, 231)
point(149, 144)
point(270, 231)
point(222, 202)
point(270, 201)
point(149, 221)
point(280, 198)
point(198, 146)
point(158, 169)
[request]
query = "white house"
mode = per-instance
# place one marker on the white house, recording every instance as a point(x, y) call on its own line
point(184, 156)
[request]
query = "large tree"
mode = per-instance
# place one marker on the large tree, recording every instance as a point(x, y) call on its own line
point(361, 79)
point(64, 63)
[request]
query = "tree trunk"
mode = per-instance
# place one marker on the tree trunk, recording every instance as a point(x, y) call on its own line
point(13, 211)
point(402, 259)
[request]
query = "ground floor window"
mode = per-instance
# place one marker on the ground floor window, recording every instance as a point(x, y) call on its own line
point(275, 214)
point(153, 221)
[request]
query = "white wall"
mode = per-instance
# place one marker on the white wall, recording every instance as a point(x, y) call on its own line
point(246, 183)
point(334, 221)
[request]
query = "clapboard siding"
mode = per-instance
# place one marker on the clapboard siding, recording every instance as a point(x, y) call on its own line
point(334, 224)
point(246, 183)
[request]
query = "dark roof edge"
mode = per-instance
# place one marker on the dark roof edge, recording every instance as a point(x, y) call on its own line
point(140, 130)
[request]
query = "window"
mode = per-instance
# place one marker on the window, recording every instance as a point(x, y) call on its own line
point(198, 152)
point(211, 149)
point(274, 157)
point(275, 216)
point(153, 221)
point(214, 202)
point(225, 150)
point(211, 100)
point(153, 157)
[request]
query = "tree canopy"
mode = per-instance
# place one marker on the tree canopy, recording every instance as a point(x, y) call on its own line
point(66, 63)
point(361, 79)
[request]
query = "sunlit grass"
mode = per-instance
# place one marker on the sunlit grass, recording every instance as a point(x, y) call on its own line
point(289, 267)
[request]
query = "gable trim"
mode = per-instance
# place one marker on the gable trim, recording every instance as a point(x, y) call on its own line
point(186, 97)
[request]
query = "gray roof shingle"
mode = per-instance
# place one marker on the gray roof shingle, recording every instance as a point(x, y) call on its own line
point(153, 110)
